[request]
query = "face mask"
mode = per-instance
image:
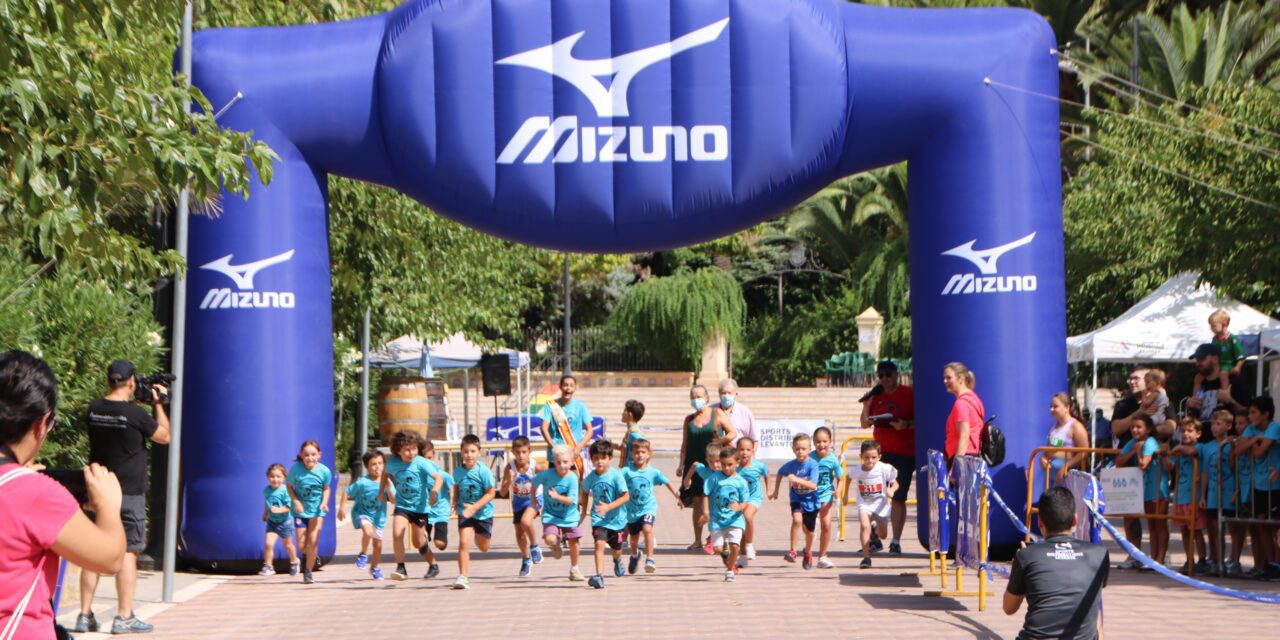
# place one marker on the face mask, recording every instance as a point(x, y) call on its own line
point(726, 401)
point(698, 404)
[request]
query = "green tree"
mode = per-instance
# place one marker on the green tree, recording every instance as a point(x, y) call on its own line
point(675, 315)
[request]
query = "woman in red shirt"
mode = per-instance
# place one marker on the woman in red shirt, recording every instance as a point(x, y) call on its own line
point(964, 424)
point(39, 520)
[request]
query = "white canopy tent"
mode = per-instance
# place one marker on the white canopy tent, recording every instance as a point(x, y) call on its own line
point(1165, 326)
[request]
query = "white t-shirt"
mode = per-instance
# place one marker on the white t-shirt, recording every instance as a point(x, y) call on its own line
point(873, 488)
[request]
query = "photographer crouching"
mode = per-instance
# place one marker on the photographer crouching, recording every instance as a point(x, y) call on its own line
point(118, 432)
point(40, 520)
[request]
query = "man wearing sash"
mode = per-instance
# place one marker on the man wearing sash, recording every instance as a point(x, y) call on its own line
point(567, 416)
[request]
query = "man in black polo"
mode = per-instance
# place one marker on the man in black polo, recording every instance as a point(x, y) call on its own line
point(1061, 578)
point(118, 434)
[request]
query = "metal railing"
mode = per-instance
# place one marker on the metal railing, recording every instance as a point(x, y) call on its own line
point(596, 348)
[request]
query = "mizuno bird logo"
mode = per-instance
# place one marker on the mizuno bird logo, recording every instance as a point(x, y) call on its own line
point(986, 259)
point(242, 274)
point(557, 59)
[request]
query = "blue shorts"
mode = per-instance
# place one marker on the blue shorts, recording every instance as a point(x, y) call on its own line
point(518, 513)
point(300, 522)
point(636, 526)
point(284, 528)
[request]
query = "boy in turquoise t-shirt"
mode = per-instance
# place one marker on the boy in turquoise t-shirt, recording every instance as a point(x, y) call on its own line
point(1186, 502)
point(1218, 480)
point(438, 515)
point(607, 490)
point(560, 514)
point(368, 512)
point(417, 483)
point(727, 498)
point(474, 491)
point(1266, 489)
point(1143, 452)
point(632, 412)
point(642, 510)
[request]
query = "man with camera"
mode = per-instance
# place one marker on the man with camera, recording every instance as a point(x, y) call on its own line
point(889, 407)
point(118, 432)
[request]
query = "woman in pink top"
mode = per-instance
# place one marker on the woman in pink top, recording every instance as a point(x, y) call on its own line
point(964, 424)
point(39, 520)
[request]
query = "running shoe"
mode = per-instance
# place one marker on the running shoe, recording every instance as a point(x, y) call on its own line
point(825, 563)
point(536, 554)
point(1234, 569)
point(619, 567)
point(596, 581)
point(362, 561)
point(432, 571)
point(1203, 567)
point(790, 556)
point(876, 544)
point(575, 575)
point(1130, 564)
point(808, 560)
point(86, 623)
point(707, 548)
point(294, 568)
point(865, 564)
point(307, 578)
point(129, 625)
point(462, 583)
point(526, 567)
point(650, 566)
point(267, 570)
point(751, 552)
point(557, 551)
point(895, 548)
point(1253, 574)
point(730, 576)
point(742, 562)
point(400, 573)
point(376, 572)
point(634, 563)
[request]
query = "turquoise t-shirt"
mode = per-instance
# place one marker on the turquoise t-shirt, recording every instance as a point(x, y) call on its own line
point(1244, 467)
point(413, 481)
point(752, 474)
point(632, 436)
point(1271, 462)
point(605, 488)
point(723, 491)
point(1185, 475)
point(576, 413)
point(365, 494)
point(640, 484)
point(828, 472)
point(1155, 482)
point(278, 497)
point(309, 486)
point(1211, 466)
point(554, 512)
point(444, 503)
point(472, 484)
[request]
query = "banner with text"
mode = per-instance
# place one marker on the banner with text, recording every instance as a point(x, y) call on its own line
point(1123, 488)
point(773, 441)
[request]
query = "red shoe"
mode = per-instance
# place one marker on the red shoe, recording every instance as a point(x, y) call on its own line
point(789, 556)
point(707, 548)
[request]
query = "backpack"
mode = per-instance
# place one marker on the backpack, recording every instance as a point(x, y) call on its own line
point(992, 441)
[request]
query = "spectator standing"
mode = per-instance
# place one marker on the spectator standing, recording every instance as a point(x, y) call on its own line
point(744, 422)
point(1213, 394)
point(118, 433)
point(964, 423)
point(1127, 406)
point(39, 519)
point(893, 404)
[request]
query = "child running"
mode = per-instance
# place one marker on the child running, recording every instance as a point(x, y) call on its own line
point(517, 484)
point(801, 475)
point(702, 471)
point(632, 411)
point(369, 511)
point(608, 492)
point(876, 482)
point(560, 514)
point(642, 509)
point(276, 513)
point(830, 485)
point(308, 484)
point(754, 473)
point(727, 496)
point(438, 515)
point(417, 483)
point(474, 491)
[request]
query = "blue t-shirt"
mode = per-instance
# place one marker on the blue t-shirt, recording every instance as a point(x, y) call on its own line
point(828, 472)
point(605, 488)
point(472, 484)
point(1211, 467)
point(807, 470)
point(640, 484)
point(413, 481)
point(1155, 482)
point(278, 497)
point(555, 512)
point(1244, 467)
point(723, 491)
point(1270, 462)
point(576, 413)
point(1185, 476)
point(752, 474)
point(365, 494)
point(444, 502)
point(309, 486)
point(632, 436)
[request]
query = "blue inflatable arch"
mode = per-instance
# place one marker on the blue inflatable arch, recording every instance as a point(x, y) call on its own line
point(620, 126)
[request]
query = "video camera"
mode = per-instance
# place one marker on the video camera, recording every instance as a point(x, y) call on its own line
point(146, 387)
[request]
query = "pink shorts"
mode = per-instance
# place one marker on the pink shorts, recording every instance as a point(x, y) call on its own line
point(1185, 510)
point(565, 533)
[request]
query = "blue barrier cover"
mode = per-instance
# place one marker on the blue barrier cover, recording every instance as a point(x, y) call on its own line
point(939, 515)
point(970, 475)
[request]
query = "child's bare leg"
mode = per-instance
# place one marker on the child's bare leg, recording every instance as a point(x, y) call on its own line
point(551, 540)
point(648, 540)
point(1212, 531)
point(366, 535)
point(600, 545)
point(1237, 540)
point(523, 541)
point(465, 537)
point(749, 533)
point(864, 533)
point(575, 550)
point(1187, 543)
point(398, 525)
point(808, 540)
point(419, 540)
point(699, 519)
point(440, 542)
point(797, 522)
point(1133, 531)
point(527, 524)
point(824, 518)
point(376, 557)
point(291, 549)
point(313, 539)
point(732, 560)
point(482, 542)
point(269, 549)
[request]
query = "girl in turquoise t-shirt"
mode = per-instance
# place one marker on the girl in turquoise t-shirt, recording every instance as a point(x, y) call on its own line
point(308, 483)
point(1144, 450)
point(276, 512)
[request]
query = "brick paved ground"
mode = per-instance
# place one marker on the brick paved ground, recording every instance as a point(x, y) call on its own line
point(685, 598)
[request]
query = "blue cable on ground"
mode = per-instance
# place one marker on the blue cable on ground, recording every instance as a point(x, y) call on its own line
point(1268, 598)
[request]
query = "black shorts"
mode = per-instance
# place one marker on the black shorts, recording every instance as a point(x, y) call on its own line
point(416, 519)
point(518, 514)
point(1266, 504)
point(905, 465)
point(1212, 514)
point(482, 527)
point(808, 518)
point(611, 537)
point(133, 515)
point(694, 493)
point(637, 527)
point(439, 531)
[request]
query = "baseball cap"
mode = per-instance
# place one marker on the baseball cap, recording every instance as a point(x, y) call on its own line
point(1205, 350)
point(120, 370)
point(885, 367)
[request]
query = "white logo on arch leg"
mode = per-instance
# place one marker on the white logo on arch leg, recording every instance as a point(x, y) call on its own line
point(986, 262)
point(242, 274)
point(986, 259)
point(244, 296)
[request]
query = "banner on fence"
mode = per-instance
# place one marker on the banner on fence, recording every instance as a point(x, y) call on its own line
point(773, 440)
point(939, 515)
point(968, 475)
point(1087, 491)
point(1123, 488)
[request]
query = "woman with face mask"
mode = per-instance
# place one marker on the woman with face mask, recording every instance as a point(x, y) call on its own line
point(705, 425)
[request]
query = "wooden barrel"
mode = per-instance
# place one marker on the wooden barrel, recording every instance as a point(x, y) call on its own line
point(412, 403)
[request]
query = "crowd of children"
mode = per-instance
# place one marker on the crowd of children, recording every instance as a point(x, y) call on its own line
point(552, 506)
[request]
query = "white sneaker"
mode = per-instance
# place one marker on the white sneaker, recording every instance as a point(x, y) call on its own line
point(729, 576)
point(825, 563)
point(462, 583)
point(575, 575)
point(751, 552)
